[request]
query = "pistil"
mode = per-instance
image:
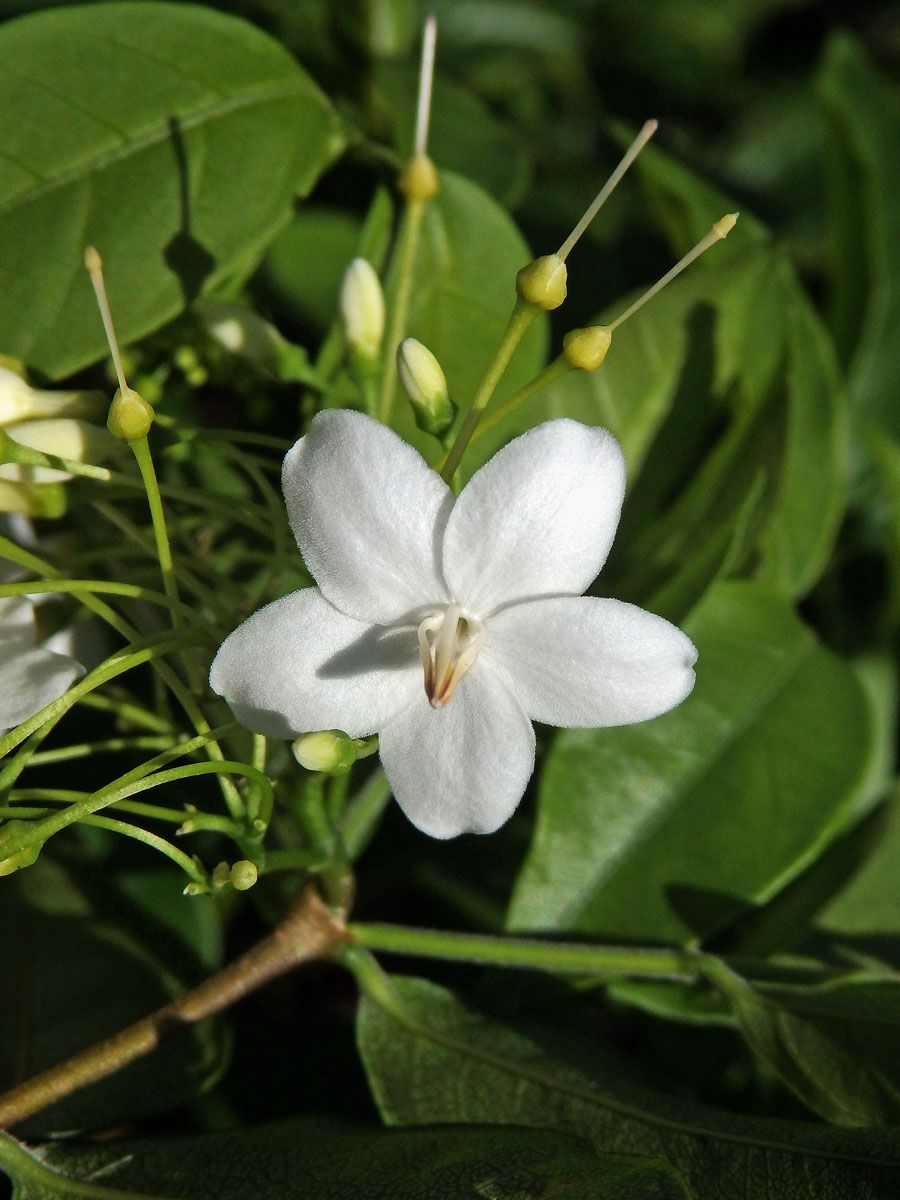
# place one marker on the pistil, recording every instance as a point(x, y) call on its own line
point(449, 643)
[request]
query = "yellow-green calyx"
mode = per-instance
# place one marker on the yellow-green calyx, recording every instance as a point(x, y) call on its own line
point(419, 179)
point(130, 416)
point(543, 282)
point(586, 348)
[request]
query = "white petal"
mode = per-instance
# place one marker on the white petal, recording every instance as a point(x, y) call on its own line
point(17, 621)
point(298, 665)
point(537, 519)
point(581, 662)
point(31, 677)
point(463, 768)
point(368, 515)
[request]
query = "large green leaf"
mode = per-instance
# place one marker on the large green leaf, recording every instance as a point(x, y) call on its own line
point(668, 829)
point(170, 136)
point(70, 976)
point(863, 108)
point(434, 1060)
point(322, 1160)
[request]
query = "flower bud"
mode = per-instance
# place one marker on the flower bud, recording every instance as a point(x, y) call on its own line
point(586, 348)
point(419, 180)
point(62, 436)
point(425, 385)
point(328, 750)
point(243, 875)
point(130, 416)
point(543, 282)
point(19, 401)
point(361, 307)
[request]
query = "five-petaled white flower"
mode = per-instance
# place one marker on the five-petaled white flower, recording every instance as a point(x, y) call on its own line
point(449, 625)
point(30, 675)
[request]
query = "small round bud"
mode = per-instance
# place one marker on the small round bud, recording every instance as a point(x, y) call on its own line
point(543, 282)
point(419, 179)
point(243, 875)
point(361, 307)
point(425, 385)
point(328, 750)
point(130, 416)
point(586, 348)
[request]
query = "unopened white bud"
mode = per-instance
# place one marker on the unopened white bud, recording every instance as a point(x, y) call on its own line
point(425, 385)
point(362, 310)
point(63, 436)
point(19, 401)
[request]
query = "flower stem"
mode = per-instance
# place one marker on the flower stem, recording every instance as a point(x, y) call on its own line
point(409, 237)
point(553, 371)
point(522, 316)
point(310, 931)
point(612, 961)
point(141, 449)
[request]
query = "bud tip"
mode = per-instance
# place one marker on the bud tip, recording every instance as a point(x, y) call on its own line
point(724, 225)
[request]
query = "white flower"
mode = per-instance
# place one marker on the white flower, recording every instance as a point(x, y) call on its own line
point(30, 676)
point(449, 625)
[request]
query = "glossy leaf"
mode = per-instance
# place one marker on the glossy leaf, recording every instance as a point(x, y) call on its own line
point(306, 1159)
point(179, 160)
point(435, 1060)
point(669, 829)
point(863, 108)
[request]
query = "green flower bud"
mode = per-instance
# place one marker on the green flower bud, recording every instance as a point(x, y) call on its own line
point(130, 416)
point(586, 348)
point(243, 875)
point(543, 282)
point(419, 179)
point(425, 385)
point(328, 750)
point(361, 307)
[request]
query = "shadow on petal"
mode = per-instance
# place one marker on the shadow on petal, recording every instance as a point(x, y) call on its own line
point(380, 648)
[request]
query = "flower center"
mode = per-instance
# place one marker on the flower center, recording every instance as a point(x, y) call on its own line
point(449, 643)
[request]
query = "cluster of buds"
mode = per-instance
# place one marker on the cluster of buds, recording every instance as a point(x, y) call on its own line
point(36, 426)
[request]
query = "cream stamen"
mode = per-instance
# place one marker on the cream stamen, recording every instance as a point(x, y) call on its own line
point(449, 644)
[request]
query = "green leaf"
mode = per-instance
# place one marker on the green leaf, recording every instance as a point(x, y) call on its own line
point(69, 977)
point(863, 108)
point(464, 288)
point(434, 1060)
point(668, 829)
point(172, 137)
point(315, 1159)
point(834, 1044)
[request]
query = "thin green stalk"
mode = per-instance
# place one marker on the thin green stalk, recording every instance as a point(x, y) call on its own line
point(409, 237)
point(110, 794)
point(528, 953)
point(103, 587)
point(183, 860)
point(188, 579)
point(106, 746)
point(191, 708)
point(555, 370)
point(141, 448)
point(206, 822)
point(522, 316)
point(126, 710)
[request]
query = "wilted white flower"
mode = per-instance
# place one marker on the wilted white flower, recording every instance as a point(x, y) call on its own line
point(449, 625)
